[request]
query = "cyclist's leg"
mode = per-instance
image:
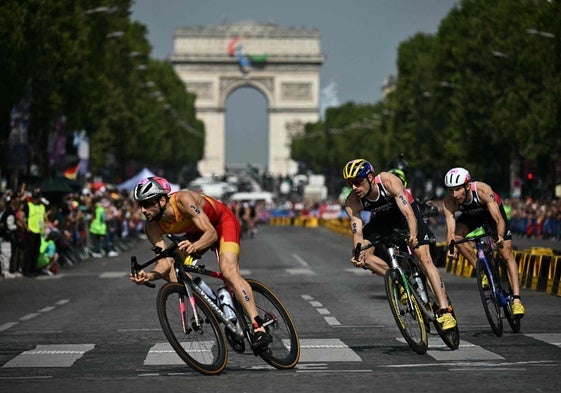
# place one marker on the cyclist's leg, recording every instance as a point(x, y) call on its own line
point(370, 260)
point(433, 275)
point(466, 249)
point(229, 267)
point(508, 257)
point(374, 263)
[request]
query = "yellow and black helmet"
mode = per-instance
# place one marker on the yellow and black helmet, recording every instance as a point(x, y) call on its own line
point(399, 173)
point(358, 168)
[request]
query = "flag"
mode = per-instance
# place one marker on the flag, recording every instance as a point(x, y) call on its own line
point(72, 172)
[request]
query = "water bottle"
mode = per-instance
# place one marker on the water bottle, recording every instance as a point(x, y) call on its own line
point(206, 289)
point(419, 285)
point(225, 301)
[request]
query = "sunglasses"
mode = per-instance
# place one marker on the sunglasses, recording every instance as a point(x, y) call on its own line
point(355, 182)
point(148, 203)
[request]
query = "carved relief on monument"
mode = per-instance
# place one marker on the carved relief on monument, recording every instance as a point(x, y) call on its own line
point(296, 91)
point(266, 83)
point(293, 128)
point(203, 90)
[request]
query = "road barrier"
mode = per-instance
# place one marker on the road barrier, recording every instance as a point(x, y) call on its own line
point(539, 269)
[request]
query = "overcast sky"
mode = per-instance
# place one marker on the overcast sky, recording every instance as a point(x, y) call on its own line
point(358, 37)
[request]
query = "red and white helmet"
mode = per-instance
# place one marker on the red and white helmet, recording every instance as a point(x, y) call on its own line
point(151, 187)
point(456, 177)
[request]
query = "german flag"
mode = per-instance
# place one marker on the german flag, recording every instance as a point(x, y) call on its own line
point(72, 172)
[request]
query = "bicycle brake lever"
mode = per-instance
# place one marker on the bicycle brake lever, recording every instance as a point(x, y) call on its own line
point(357, 251)
point(134, 265)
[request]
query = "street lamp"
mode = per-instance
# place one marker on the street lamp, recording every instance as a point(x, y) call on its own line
point(502, 55)
point(115, 34)
point(101, 10)
point(540, 33)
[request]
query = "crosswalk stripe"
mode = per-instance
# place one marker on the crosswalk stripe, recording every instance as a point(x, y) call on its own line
point(550, 338)
point(326, 350)
point(58, 355)
point(312, 351)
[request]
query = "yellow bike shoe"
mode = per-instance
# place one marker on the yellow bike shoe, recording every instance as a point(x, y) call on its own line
point(402, 295)
point(447, 321)
point(518, 310)
point(484, 281)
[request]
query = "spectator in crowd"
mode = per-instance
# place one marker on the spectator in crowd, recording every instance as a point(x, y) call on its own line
point(9, 236)
point(35, 213)
point(47, 261)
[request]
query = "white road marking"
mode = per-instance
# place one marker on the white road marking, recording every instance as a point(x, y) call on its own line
point(61, 355)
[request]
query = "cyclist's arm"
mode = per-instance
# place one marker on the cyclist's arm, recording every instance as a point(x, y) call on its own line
point(163, 267)
point(394, 186)
point(353, 207)
point(487, 197)
point(449, 208)
point(190, 206)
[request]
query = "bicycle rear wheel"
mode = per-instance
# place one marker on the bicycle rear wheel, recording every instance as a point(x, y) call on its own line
point(201, 346)
point(284, 351)
point(506, 291)
point(490, 303)
point(408, 318)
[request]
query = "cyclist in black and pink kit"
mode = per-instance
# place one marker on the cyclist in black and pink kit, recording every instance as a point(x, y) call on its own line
point(206, 223)
point(479, 205)
point(383, 198)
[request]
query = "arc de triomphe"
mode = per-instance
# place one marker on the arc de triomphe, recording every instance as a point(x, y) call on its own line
point(281, 62)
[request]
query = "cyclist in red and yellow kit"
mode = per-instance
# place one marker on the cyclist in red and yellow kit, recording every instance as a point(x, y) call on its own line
point(207, 223)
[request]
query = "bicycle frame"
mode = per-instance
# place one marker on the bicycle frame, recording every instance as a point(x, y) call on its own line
point(404, 267)
point(484, 247)
point(495, 270)
point(395, 254)
point(185, 279)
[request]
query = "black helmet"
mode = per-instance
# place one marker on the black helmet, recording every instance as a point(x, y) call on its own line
point(400, 163)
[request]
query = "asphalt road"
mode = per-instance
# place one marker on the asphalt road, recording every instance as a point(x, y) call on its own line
point(90, 330)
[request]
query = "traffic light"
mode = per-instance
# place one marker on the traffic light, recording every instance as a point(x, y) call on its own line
point(530, 176)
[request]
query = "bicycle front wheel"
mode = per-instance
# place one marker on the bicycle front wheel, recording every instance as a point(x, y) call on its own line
point(489, 299)
point(284, 351)
point(407, 316)
point(200, 343)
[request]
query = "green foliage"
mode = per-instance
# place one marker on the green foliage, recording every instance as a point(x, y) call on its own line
point(91, 64)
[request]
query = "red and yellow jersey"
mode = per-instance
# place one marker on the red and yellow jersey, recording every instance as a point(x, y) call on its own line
point(220, 216)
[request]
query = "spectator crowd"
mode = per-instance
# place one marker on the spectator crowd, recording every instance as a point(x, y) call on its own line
point(39, 236)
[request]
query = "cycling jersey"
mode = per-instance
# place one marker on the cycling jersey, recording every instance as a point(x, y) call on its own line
point(385, 214)
point(474, 214)
point(221, 217)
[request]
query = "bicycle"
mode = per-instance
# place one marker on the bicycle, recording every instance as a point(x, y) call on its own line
point(191, 320)
point(412, 302)
point(496, 295)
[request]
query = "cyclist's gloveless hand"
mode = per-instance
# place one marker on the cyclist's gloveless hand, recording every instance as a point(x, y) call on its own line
point(141, 277)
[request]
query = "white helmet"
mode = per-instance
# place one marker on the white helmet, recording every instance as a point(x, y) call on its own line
point(456, 177)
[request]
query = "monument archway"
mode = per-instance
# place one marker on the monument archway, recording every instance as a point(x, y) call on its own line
point(281, 62)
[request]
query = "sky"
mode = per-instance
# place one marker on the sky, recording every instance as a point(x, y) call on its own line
point(359, 39)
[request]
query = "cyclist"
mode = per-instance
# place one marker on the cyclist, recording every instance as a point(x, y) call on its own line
point(388, 204)
point(207, 223)
point(478, 205)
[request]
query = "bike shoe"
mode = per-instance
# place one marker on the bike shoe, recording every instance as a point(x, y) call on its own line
point(402, 295)
point(260, 340)
point(484, 281)
point(518, 310)
point(446, 320)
